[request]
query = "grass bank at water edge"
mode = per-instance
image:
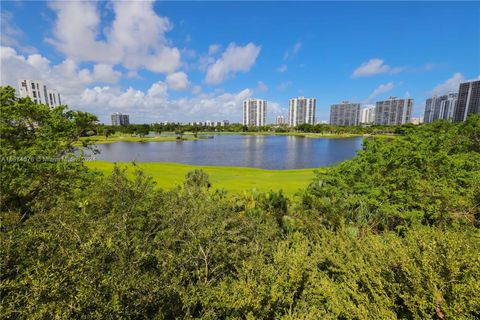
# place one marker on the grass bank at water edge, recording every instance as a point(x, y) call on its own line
point(232, 179)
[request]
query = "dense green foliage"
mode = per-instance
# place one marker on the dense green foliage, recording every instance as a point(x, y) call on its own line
point(430, 176)
point(196, 179)
point(37, 153)
point(391, 234)
point(232, 179)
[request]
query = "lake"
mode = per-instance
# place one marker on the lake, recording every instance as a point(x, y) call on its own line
point(256, 151)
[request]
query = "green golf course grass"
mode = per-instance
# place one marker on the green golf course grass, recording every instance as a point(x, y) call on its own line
point(232, 179)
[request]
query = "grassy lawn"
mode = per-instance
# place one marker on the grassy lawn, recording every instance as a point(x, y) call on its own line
point(233, 179)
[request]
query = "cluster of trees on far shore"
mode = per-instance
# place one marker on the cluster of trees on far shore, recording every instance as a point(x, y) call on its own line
point(94, 128)
point(144, 129)
point(391, 234)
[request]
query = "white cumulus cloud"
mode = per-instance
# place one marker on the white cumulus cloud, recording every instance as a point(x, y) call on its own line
point(380, 90)
point(67, 77)
point(80, 90)
point(178, 81)
point(451, 84)
point(154, 105)
point(136, 38)
point(234, 59)
point(374, 67)
point(105, 73)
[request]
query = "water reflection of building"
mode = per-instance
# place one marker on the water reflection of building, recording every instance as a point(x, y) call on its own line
point(298, 153)
point(254, 146)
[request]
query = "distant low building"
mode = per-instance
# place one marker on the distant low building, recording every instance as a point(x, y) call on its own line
point(39, 93)
point(209, 123)
point(468, 100)
point(119, 119)
point(393, 111)
point(367, 115)
point(280, 120)
point(416, 121)
point(345, 114)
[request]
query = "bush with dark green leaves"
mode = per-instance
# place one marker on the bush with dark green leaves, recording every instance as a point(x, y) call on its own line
point(197, 179)
point(431, 176)
point(130, 250)
point(38, 158)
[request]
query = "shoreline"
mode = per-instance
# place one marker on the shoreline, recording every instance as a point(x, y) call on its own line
point(188, 136)
point(305, 134)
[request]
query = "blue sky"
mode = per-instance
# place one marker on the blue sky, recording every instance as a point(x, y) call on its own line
point(196, 61)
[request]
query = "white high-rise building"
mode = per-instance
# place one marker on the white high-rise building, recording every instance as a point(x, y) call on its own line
point(440, 107)
point(254, 112)
point(468, 100)
point(393, 111)
point(53, 98)
point(280, 120)
point(367, 115)
point(119, 119)
point(447, 106)
point(301, 110)
point(345, 114)
point(416, 121)
point(39, 93)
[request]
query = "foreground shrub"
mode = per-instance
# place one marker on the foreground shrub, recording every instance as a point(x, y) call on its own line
point(427, 274)
point(129, 250)
point(430, 176)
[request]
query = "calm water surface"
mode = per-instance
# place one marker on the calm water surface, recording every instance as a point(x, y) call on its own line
point(261, 151)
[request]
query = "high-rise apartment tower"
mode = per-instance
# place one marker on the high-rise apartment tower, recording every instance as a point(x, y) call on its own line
point(301, 110)
point(254, 112)
point(393, 111)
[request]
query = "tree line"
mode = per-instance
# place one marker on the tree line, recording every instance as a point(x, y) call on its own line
point(145, 129)
point(391, 234)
